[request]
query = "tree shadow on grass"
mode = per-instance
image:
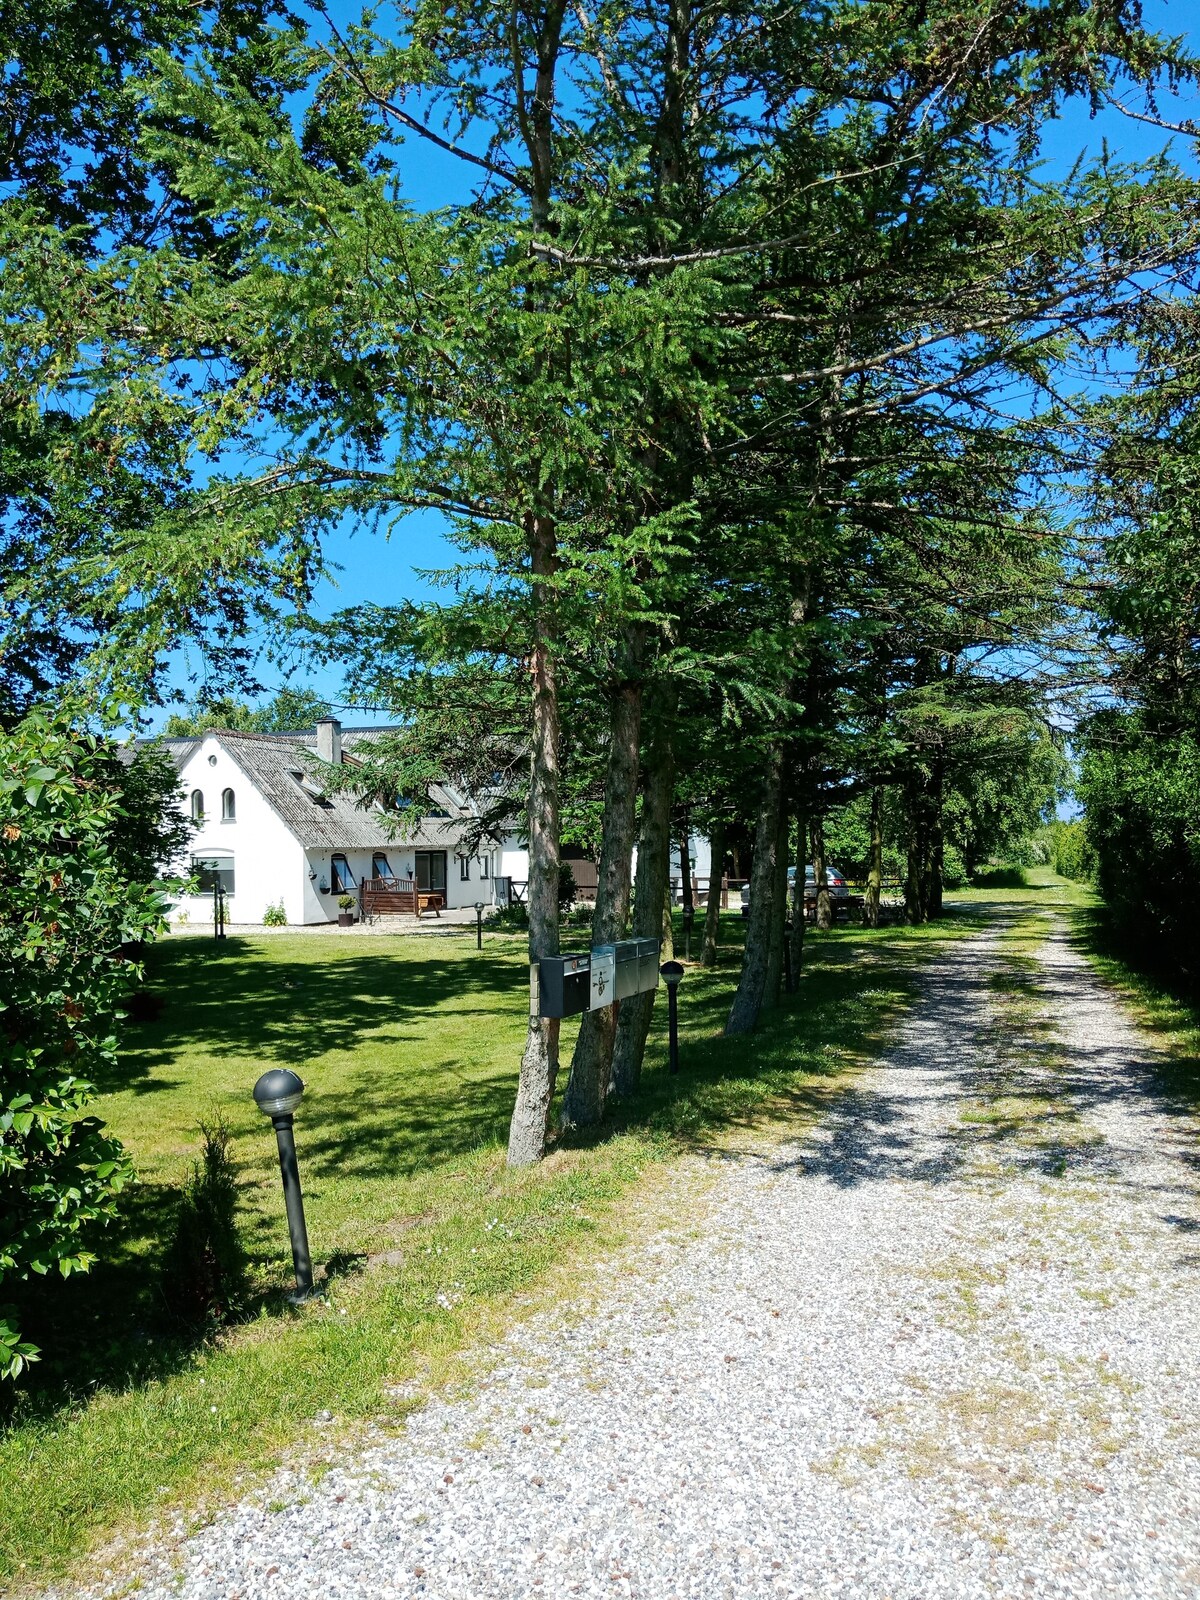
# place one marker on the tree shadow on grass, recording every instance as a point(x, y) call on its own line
point(1168, 1004)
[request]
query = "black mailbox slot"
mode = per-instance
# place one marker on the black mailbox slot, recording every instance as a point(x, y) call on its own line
point(565, 985)
point(628, 968)
point(648, 954)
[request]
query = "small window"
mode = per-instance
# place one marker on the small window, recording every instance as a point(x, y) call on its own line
point(343, 878)
point(197, 806)
point(380, 867)
point(228, 806)
point(464, 869)
point(485, 866)
point(213, 872)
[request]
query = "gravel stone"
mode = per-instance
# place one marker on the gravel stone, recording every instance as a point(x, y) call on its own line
point(914, 1355)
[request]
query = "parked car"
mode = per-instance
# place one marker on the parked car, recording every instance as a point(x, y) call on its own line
point(839, 889)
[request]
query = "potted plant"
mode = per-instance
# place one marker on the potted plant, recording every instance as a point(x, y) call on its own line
point(346, 911)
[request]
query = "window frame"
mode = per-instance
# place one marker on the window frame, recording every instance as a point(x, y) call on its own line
point(464, 869)
point(196, 805)
point(228, 805)
point(376, 857)
point(210, 864)
point(485, 866)
point(339, 884)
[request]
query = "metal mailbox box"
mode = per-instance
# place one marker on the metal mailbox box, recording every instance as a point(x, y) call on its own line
point(648, 954)
point(564, 985)
point(604, 976)
point(628, 967)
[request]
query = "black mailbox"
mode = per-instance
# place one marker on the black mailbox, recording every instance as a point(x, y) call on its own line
point(564, 983)
point(648, 953)
point(628, 968)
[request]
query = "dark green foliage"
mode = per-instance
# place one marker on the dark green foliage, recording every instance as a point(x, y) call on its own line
point(69, 913)
point(1141, 794)
point(204, 1268)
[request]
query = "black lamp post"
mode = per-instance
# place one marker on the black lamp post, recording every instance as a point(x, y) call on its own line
point(671, 972)
point(277, 1094)
point(689, 916)
point(479, 924)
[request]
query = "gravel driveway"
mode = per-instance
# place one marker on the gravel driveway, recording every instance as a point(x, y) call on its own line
point(946, 1345)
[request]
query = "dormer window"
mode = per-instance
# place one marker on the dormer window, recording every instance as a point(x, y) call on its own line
point(228, 806)
point(197, 805)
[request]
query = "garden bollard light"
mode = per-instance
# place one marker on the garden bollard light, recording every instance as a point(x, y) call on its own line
point(277, 1094)
point(671, 972)
point(479, 924)
point(689, 917)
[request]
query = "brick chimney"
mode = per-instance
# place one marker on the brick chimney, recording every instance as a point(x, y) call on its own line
point(329, 740)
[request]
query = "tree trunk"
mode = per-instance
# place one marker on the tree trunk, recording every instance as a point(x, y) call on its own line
point(591, 1065)
point(653, 870)
point(875, 869)
point(797, 934)
point(923, 882)
point(820, 874)
point(685, 866)
point(774, 983)
point(747, 1002)
point(712, 912)
point(539, 1063)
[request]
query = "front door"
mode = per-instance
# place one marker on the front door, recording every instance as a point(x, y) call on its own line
point(431, 870)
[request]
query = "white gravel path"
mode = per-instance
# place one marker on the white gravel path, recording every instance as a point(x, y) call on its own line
point(909, 1356)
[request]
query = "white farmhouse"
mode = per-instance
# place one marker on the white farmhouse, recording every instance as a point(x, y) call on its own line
point(269, 833)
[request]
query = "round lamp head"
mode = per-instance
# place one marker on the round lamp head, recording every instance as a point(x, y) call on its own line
point(671, 972)
point(479, 905)
point(279, 1091)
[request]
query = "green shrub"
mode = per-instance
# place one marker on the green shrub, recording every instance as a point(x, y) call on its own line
point(70, 920)
point(1071, 853)
point(204, 1269)
point(275, 916)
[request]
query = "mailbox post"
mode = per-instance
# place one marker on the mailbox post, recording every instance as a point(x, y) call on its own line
point(672, 972)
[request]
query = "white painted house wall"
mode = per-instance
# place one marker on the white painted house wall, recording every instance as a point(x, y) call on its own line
point(269, 863)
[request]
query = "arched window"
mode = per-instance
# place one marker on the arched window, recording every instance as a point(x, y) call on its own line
point(197, 806)
point(343, 878)
point(228, 806)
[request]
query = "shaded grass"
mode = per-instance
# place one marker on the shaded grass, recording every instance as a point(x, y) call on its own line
point(409, 1049)
point(1162, 1002)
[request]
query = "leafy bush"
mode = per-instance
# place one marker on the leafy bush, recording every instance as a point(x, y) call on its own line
point(204, 1271)
point(1071, 853)
point(1140, 786)
point(70, 917)
point(275, 916)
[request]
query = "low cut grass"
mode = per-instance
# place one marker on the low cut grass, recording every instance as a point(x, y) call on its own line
point(408, 1047)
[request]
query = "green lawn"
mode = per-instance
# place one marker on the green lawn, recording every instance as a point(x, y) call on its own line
point(409, 1049)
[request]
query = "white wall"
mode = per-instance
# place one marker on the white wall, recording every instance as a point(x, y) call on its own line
point(268, 860)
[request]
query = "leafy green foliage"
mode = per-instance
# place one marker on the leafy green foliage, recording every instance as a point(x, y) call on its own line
point(204, 1267)
point(1141, 797)
point(70, 911)
point(275, 916)
point(288, 711)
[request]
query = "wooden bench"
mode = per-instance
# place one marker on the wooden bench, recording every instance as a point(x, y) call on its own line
point(382, 897)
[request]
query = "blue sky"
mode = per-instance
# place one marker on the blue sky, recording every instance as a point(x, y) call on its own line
point(392, 571)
